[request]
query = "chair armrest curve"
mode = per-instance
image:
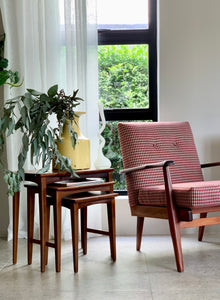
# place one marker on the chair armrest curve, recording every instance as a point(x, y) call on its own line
point(161, 164)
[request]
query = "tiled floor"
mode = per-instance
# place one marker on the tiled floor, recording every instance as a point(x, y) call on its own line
point(149, 274)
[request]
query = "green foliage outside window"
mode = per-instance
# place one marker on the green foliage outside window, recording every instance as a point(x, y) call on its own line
point(123, 83)
point(123, 76)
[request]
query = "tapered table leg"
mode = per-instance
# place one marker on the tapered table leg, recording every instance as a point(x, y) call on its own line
point(84, 229)
point(57, 231)
point(15, 225)
point(75, 235)
point(43, 220)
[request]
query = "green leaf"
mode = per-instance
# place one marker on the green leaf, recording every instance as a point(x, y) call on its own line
point(3, 63)
point(21, 160)
point(11, 127)
point(34, 150)
point(34, 92)
point(21, 174)
point(18, 124)
point(4, 75)
point(13, 76)
point(25, 142)
point(28, 102)
point(53, 91)
point(6, 178)
point(44, 99)
point(74, 137)
point(23, 112)
point(32, 153)
point(44, 169)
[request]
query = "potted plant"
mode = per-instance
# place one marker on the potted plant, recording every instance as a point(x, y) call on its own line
point(30, 115)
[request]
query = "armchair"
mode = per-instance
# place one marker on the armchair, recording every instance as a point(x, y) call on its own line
point(164, 179)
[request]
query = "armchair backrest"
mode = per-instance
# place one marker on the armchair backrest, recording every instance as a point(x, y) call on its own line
point(152, 142)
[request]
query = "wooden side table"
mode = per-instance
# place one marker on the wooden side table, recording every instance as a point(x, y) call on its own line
point(43, 180)
point(76, 202)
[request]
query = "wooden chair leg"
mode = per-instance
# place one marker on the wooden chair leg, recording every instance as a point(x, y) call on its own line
point(112, 231)
point(176, 239)
point(75, 235)
point(30, 222)
point(140, 224)
point(201, 228)
point(84, 229)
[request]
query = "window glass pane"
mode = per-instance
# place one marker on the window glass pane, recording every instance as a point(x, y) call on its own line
point(122, 14)
point(123, 76)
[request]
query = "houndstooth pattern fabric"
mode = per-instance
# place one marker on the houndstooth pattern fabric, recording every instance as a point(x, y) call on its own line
point(152, 142)
point(190, 194)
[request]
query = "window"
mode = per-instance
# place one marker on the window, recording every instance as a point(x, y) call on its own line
point(127, 56)
point(138, 28)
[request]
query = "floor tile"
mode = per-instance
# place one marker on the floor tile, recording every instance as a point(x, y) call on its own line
point(146, 274)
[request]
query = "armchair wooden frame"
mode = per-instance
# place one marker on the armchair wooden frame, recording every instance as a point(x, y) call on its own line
point(178, 217)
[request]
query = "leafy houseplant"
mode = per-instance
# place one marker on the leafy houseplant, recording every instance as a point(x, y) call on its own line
point(30, 114)
point(6, 76)
point(37, 135)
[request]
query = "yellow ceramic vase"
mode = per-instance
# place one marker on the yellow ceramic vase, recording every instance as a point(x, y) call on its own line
point(80, 155)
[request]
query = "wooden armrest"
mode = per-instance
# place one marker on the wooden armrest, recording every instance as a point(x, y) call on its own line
point(215, 164)
point(161, 164)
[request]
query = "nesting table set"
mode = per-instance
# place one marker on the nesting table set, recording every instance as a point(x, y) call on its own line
point(75, 197)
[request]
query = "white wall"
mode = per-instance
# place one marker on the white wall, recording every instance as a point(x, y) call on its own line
point(189, 69)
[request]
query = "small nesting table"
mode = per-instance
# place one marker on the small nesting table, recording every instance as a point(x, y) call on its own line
point(43, 180)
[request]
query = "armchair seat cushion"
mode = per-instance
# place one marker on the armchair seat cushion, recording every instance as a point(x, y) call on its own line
point(189, 195)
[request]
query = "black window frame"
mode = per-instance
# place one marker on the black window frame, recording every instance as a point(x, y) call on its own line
point(139, 36)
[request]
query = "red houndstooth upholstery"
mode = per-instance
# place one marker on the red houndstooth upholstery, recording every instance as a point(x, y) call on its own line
point(190, 195)
point(145, 143)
